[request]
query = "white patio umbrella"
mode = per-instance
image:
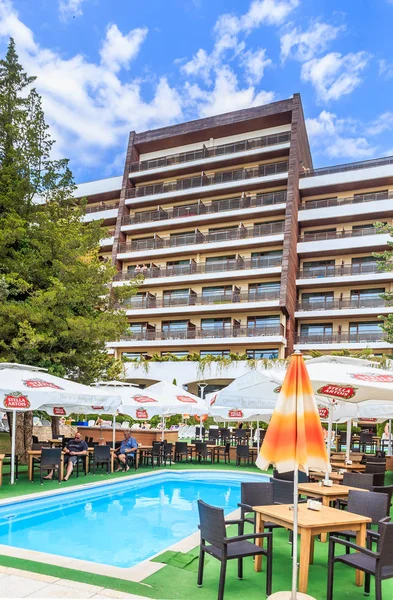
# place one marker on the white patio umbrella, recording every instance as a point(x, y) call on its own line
point(24, 388)
point(162, 399)
point(122, 388)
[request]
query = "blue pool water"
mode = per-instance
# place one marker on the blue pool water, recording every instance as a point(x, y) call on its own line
point(119, 524)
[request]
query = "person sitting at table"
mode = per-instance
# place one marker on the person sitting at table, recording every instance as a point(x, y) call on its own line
point(385, 435)
point(73, 449)
point(129, 445)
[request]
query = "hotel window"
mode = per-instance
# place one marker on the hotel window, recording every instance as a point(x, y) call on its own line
point(364, 264)
point(175, 326)
point(220, 263)
point(217, 294)
point(317, 300)
point(215, 353)
point(208, 324)
point(316, 332)
point(367, 298)
point(173, 297)
point(178, 354)
point(264, 353)
point(133, 355)
point(369, 330)
point(219, 234)
point(263, 259)
point(261, 322)
point(261, 290)
point(320, 234)
point(369, 196)
point(319, 268)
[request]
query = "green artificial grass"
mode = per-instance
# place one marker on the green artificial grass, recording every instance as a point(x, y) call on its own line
point(177, 580)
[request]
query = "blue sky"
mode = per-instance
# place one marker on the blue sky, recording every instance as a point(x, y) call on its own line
point(105, 67)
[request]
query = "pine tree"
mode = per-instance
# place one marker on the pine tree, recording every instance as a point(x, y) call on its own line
point(57, 310)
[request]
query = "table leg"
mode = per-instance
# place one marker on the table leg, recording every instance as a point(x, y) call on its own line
point(61, 467)
point(311, 561)
point(259, 528)
point(325, 502)
point(30, 468)
point(112, 462)
point(361, 541)
point(305, 547)
point(87, 463)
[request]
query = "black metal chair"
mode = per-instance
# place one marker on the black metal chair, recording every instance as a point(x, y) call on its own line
point(214, 541)
point(81, 462)
point(379, 564)
point(50, 460)
point(223, 452)
point(101, 456)
point(366, 439)
point(255, 494)
point(214, 435)
point(289, 475)
point(153, 454)
point(239, 436)
point(225, 435)
point(182, 450)
point(242, 453)
point(203, 452)
point(283, 491)
point(368, 504)
point(167, 453)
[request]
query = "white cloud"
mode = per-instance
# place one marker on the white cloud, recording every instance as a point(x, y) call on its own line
point(255, 64)
point(225, 96)
point(304, 45)
point(335, 75)
point(385, 68)
point(118, 50)
point(70, 8)
point(334, 137)
point(383, 123)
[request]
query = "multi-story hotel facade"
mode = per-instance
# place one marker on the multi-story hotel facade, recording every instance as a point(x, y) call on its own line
point(243, 246)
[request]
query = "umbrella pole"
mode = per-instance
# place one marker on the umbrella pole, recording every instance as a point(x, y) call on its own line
point(348, 447)
point(13, 434)
point(163, 427)
point(295, 530)
point(114, 432)
point(258, 436)
point(329, 437)
point(200, 428)
point(390, 438)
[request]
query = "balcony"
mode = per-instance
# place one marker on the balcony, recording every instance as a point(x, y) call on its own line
point(346, 240)
point(202, 271)
point(346, 273)
point(209, 155)
point(192, 241)
point(340, 210)
point(103, 211)
point(210, 333)
point(360, 199)
point(213, 208)
point(335, 307)
point(355, 166)
point(200, 184)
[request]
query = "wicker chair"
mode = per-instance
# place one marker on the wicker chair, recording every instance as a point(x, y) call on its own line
point(214, 541)
point(255, 494)
point(223, 451)
point(288, 476)
point(242, 453)
point(50, 460)
point(101, 456)
point(203, 452)
point(359, 480)
point(182, 450)
point(379, 564)
point(384, 489)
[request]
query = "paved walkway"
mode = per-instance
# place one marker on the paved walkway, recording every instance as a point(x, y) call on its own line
point(24, 584)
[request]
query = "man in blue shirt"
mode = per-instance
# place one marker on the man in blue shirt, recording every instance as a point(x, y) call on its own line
point(129, 445)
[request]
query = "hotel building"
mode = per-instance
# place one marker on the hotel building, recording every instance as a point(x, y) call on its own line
point(244, 247)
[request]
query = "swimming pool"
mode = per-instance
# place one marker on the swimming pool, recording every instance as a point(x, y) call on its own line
point(119, 524)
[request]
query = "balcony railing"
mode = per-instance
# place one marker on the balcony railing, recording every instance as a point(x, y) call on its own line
point(214, 207)
point(345, 337)
point(188, 239)
point(101, 207)
point(336, 235)
point(344, 303)
point(206, 180)
point(203, 153)
point(365, 164)
point(339, 271)
point(213, 332)
point(329, 202)
point(193, 268)
point(200, 299)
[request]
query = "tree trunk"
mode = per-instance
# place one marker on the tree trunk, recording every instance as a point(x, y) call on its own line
point(23, 434)
point(55, 426)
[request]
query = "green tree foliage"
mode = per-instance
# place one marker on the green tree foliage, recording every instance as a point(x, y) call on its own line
point(57, 309)
point(385, 263)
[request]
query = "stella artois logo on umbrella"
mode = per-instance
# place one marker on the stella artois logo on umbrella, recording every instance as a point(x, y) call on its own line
point(144, 399)
point(59, 411)
point(186, 399)
point(141, 413)
point(373, 378)
point(337, 391)
point(97, 407)
point(40, 383)
point(368, 420)
point(235, 414)
point(16, 400)
point(323, 412)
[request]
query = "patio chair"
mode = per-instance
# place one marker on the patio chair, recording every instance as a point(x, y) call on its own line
point(7, 461)
point(366, 439)
point(214, 541)
point(378, 471)
point(80, 462)
point(384, 489)
point(223, 452)
point(101, 457)
point(289, 475)
point(368, 504)
point(153, 454)
point(50, 460)
point(239, 436)
point(379, 564)
point(242, 453)
point(182, 450)
point(225, 434)
point(255, 494)
point(342, 440)
point(359, 480)
point(197, 431)
point(203, 452)
point(283, 491)
point(214, 435)
point(167, 453)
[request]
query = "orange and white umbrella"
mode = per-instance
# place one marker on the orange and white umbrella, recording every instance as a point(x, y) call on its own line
point(294, 439)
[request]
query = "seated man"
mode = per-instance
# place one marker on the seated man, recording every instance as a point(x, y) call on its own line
point(74, 448)
point(129, 445)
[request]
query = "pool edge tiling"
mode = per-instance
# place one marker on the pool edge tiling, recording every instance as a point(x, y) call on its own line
point(142, 569)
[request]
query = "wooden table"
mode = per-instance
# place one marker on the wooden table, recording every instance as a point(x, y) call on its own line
point(1, 468)
point(327, 493)
point(55, 442)
point(310, 524)
point(345, 467)
point(319, 475)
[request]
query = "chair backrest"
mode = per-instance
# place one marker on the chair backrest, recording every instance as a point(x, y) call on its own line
point(211, 524)
point(240, 433)
point(379, 479)
point(200, 447)
point(384, 489)
point(282, 491)
point(376, 459)
point(368, 504)
point(168, 448)
point(359, 480)
point(343, 437)
point(227, 447)
point(50, 456)
point(102, 452)
point(289, 475)
point(224, 433)
point(35, 439)
point(242, 451)
point(385, 543)
point(365, 437)
point(375, 468)
point(181, 447)
point(257, 493)
point(198, 429)
point(214, 434)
